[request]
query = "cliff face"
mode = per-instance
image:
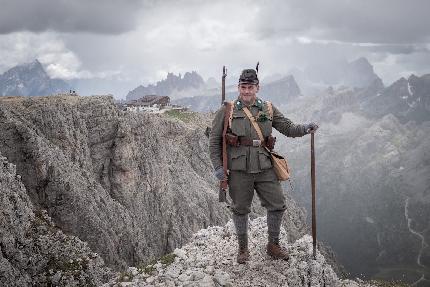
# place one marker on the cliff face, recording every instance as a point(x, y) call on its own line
point(134, 186)
point(35, 252)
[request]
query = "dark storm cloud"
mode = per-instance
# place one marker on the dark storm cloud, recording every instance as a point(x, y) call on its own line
point(366, 21)
point(94, 16)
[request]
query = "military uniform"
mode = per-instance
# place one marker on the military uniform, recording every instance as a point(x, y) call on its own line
point(251, 167)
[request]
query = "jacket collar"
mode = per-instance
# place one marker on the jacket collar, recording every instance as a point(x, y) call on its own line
point(258, 103)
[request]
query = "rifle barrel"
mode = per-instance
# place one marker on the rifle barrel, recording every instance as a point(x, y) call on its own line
point(224, 75)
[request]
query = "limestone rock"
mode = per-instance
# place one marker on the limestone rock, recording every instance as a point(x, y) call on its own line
point(34, 252)
point(217, 247)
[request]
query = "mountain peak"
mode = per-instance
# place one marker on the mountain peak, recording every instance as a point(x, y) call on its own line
point(362, 61)
point(30, 79)
point(36, 62)
point(169, 85)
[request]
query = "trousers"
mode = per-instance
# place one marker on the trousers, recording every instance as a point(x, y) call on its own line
point(266, 185)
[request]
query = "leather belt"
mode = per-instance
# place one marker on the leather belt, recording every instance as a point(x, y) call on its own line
point(250, 142)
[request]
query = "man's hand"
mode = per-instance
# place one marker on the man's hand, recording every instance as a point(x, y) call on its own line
point(219, 173)
point(311, 128)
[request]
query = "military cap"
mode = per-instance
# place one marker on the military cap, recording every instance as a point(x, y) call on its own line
point(248, 76)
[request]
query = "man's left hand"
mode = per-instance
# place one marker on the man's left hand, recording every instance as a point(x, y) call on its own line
point(311, 128)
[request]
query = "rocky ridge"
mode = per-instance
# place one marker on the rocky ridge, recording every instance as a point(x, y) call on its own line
point(33, 250)
point(210, 260)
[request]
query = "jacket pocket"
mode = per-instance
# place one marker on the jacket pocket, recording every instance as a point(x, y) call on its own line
point(237, 159)
point(264, 159)
point(238, 125)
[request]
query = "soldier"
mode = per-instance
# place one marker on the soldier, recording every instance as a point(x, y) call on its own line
point(249, 163)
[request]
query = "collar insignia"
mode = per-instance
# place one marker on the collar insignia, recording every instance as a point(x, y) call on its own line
point(259, 104)
point(239, 105)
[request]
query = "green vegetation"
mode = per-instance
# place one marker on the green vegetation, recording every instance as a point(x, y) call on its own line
point(68, 266)
point(149, 268)
point(184, 116)
point(168, 259)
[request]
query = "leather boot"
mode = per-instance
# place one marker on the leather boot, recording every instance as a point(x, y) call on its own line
point(242, 255)
point(276, 251)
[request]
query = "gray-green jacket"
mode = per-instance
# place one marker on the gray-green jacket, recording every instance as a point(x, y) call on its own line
point(248, 158)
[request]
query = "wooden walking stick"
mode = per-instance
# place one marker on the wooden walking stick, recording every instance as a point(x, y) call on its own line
point(314, 224)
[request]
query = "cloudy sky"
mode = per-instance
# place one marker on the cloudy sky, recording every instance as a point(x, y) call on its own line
point(139, 42)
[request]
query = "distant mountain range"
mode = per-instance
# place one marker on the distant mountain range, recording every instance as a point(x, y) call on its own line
point(279, 92)
point(171, 85)
point(355, 74)
point(407, 99)
point(30, 80)
point(373, 161)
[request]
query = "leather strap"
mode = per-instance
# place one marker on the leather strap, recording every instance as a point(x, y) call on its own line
point(249, 142)
point(254, 123)
point(270, 109)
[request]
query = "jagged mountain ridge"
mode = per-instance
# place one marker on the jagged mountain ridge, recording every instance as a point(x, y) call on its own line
point(168, 86)
point(373, 154)
point(355, 74)
point(279, 92)
point(407, 99)
point(134, 186)
point(30, 80)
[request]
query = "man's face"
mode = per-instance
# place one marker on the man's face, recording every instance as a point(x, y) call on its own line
point(248, 93)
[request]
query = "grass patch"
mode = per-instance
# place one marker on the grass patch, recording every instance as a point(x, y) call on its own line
point(184, 116)
point(147, 269)
point(168, 259)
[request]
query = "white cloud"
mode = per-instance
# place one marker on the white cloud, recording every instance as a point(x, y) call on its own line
point(49, 49)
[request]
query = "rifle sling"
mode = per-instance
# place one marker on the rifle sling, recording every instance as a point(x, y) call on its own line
point(254, 124)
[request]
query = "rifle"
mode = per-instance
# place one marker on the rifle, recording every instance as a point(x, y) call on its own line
point(223, 184)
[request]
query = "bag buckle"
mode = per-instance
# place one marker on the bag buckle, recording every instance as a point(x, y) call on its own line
point(256, 143)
